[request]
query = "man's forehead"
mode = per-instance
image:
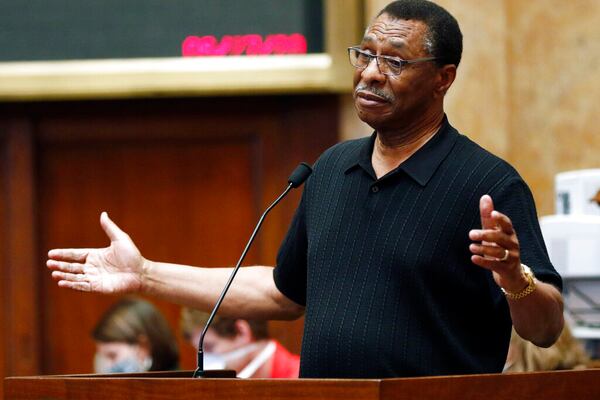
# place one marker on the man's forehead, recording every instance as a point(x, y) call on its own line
point(398, 32)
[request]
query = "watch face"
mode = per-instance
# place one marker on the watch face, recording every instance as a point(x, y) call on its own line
point(527, 271)
point(530, 286)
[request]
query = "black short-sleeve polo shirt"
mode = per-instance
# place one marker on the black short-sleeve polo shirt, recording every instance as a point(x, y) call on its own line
point(383, 265)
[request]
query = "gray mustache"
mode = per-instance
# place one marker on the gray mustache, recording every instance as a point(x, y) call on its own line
point(375, 91)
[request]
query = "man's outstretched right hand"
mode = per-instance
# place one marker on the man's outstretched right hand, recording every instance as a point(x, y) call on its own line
point(115, 269)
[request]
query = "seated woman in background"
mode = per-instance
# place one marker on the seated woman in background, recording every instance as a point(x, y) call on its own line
point(133, 336)
point(566, 353)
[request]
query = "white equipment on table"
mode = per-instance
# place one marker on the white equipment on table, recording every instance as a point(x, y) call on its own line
point(572, 237)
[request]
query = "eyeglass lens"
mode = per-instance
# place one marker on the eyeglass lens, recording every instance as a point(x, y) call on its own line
point(360, 59)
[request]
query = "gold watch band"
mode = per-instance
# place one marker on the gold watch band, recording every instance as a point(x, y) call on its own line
point(528, 290)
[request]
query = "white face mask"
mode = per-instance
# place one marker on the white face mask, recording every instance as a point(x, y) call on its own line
point(220, 360)
point(125, 365)
point(214, 361)
point(120, 358)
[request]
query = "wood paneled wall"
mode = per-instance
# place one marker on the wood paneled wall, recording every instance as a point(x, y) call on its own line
point(186, 178)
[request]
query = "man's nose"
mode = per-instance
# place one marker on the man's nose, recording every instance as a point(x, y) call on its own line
point(372, 73)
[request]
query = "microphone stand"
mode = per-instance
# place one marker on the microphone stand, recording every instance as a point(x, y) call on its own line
point(200, 372)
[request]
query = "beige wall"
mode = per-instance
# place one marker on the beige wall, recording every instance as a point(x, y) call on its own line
point(554, 77)
point(528, 85)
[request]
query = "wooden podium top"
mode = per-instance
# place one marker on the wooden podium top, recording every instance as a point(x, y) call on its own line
point(559, 385)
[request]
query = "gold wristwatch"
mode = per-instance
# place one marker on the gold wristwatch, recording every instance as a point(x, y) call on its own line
point(528, 290)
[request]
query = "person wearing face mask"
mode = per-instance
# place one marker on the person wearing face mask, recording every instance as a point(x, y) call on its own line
point(133, 336)
point(241, 345)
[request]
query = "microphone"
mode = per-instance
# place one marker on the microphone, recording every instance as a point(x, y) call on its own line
point(296, 179)
point(299, 175)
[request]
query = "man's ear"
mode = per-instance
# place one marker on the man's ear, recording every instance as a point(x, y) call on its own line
point(445, 78)
point(244, 332)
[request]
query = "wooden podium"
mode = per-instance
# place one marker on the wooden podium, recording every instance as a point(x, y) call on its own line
point(560, 385)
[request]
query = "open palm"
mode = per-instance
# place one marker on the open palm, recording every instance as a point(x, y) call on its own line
point(114, 269)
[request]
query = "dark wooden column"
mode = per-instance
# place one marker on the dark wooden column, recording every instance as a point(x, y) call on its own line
point(19, 269)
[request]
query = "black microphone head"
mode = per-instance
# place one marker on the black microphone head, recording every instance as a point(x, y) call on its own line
point(300, 174)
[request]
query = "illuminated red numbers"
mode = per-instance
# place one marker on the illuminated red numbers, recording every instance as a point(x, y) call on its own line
point(234, 45)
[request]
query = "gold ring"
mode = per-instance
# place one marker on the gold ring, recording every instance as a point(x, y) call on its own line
point(505, 256)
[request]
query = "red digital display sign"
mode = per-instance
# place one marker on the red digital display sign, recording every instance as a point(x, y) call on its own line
point(235, 45)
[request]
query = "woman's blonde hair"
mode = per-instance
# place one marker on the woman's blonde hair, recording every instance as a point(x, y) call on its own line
point(566, 353)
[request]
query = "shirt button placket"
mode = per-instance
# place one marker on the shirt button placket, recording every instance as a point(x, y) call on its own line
point(374, 188)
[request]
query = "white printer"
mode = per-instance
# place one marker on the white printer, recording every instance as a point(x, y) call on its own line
point(572, 237)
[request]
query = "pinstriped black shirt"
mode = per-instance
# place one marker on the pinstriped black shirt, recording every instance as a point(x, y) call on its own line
point(383, 265)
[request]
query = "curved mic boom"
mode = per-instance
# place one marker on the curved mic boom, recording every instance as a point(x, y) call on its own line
point(296, 179)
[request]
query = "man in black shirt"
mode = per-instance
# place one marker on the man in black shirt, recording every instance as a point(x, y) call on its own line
point(397, 254)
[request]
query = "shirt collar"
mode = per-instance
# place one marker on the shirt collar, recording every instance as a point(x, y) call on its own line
point(421, 165)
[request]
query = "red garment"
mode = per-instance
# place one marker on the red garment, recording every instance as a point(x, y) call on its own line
point(285, 364)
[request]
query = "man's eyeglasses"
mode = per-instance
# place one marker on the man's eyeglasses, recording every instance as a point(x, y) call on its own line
point(388, 65)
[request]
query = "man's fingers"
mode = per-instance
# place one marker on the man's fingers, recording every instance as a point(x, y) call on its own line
point(503, 222)
point(484, 262)
point(486, 206)
point(81, 286)
point(493, 237)
point(74, 268)
point(67, 276)
point(493, 253)
point(72, 281)
point(77, 255)
point(111, 229)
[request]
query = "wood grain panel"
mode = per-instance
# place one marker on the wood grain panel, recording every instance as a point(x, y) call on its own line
point(187, 179)
point(556, 385)
point(181, 388)
point(171, 198)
